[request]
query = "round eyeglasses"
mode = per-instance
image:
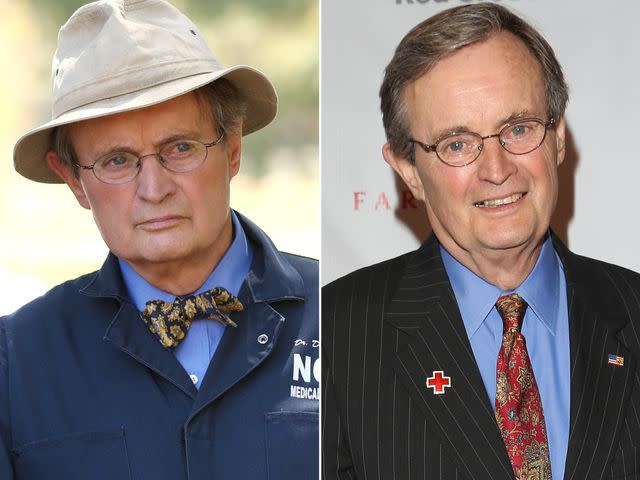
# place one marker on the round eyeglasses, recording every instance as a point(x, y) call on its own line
point(178, 156)
point(459, 149)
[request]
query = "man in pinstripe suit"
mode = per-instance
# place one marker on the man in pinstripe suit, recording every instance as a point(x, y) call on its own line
point(473, 107)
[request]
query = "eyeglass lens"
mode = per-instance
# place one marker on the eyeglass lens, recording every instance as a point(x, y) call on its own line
point(179, 156)
point(464, 147)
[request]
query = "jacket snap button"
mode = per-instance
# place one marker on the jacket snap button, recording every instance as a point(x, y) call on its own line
point(262, 339)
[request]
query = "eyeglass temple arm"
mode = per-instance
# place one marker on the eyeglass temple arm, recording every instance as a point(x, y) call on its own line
point(216, 141)
point(424, 146)
point(84, 167)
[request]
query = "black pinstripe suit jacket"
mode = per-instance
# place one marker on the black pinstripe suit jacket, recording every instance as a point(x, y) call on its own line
point(387, 327)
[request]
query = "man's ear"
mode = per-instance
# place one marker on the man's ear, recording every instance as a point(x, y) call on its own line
point(561, 145)
point(407, 171)
point(68, 176)
point(233, 148)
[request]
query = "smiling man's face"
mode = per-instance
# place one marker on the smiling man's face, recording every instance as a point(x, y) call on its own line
point(501, 201)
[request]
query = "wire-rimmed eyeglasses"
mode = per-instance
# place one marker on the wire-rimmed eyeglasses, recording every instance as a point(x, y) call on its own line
point(178, 156)
point(459, 149)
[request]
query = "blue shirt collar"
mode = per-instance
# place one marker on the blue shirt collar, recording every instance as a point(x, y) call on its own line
point(230, 272)
point(476, 297)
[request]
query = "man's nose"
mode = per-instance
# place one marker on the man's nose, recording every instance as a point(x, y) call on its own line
point(495, 164)
point(154, 181)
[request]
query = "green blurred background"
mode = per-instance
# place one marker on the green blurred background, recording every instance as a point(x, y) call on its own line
point(47, 238)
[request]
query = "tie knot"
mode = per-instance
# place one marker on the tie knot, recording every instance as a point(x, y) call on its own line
point(511, 308)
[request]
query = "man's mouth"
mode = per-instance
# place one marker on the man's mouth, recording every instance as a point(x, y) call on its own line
point(498, 202)
point(159, 222)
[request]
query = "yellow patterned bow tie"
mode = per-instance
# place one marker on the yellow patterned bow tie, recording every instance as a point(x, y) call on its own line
point(170, 321)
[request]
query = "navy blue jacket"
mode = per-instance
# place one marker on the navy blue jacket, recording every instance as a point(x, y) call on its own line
point(87, 392)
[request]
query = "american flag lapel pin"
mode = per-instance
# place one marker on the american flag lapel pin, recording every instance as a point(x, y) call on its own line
point(616, 360)
point(438, 381)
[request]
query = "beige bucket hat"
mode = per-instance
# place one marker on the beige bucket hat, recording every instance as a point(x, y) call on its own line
point(120, 55)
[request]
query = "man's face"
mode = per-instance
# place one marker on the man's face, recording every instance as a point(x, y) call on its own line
point(160, 217)
point(481, 88)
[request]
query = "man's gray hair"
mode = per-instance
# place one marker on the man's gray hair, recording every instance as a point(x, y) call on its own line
point(445, 33)
point(219, 100)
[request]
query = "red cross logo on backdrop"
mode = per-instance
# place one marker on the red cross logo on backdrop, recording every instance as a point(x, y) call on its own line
point(438, 381)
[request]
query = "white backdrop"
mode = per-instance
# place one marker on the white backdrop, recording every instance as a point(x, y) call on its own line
point(365, 216)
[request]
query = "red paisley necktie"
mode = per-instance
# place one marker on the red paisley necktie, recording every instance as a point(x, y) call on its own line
point(518, 406)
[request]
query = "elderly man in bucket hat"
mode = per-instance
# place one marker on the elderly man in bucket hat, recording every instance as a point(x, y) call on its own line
point(192, 353)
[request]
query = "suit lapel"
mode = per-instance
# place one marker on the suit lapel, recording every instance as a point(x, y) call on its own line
point(433, 338)
point(599, 392)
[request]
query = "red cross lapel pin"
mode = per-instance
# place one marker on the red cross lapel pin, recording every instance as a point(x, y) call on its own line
point(438, 381)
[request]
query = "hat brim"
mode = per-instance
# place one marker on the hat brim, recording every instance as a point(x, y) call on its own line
point(259, 95)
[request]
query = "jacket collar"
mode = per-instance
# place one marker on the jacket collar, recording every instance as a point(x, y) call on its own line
point(586, 282)
point(271, 277)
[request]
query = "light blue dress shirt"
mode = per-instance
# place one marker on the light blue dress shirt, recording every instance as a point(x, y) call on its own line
point(545, 329)
point(196, 350)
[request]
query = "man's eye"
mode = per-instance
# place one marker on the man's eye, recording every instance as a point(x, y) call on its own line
point(455, 145)
point(115, 161)
point(519, 130)
point(179, 149)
